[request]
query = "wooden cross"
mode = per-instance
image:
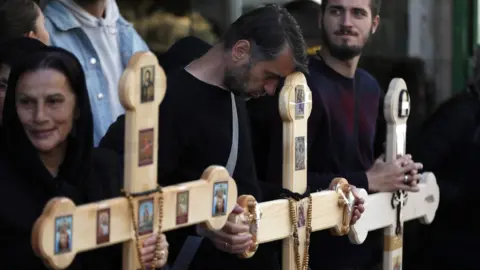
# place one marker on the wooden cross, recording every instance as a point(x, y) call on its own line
point(293, 221)
point(63, 229)
point(387, 210)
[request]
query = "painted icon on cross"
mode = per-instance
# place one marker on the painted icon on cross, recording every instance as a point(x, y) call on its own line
point(403, 104)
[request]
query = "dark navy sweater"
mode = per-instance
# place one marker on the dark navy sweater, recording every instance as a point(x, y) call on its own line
point(340, 144)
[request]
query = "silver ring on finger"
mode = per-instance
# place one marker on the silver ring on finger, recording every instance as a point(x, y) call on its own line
point(405, 179)
point(226, 245)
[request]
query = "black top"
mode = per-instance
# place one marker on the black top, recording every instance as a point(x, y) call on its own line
point(448, 144)
point(195, 131)
point(182, 53)
point(340, 144)
point(86, 175)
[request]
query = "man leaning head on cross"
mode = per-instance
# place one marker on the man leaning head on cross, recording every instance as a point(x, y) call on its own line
point(258, 50)
point(202, 114)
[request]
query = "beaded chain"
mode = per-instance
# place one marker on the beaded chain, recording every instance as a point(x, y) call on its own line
point(296, 241)
point(158, 248)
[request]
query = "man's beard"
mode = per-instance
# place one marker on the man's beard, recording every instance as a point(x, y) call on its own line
point(236, 79)
point(343, 52)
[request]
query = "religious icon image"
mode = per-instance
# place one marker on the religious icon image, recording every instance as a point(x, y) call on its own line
point(147, 84)
point(220, 191)
point(103, 226)
point(145, 216)
point(299, 102)
point(63, 234)
point(300, 154)
point(182, 207)
point(398, 264)
point(404, 104)
point(301, 215)
point(145, 147)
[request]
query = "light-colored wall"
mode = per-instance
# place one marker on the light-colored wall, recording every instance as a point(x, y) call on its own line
point(430, 38)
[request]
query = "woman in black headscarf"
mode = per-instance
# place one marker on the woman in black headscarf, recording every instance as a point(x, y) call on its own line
point(49, 152)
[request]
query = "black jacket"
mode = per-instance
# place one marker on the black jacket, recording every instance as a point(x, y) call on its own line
point(448, 145)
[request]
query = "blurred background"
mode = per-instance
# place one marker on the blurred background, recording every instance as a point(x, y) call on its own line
point(429, 43)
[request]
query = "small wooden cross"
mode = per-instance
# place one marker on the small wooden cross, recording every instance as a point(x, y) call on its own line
point(387, 210)
point(294, 220)
point(63, 230)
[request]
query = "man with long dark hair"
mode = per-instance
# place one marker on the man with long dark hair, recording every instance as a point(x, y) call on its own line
point(204, 121)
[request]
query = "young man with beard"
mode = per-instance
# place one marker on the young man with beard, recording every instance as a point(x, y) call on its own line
point(204, 111)
point(103, 41)
point(347, 102)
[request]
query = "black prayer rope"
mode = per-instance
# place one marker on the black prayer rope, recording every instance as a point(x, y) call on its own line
point(143, 193)
point(294, 195)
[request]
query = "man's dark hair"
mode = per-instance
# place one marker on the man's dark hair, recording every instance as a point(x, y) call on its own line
point(375, 6)
point(269, 29)
point(17, 18)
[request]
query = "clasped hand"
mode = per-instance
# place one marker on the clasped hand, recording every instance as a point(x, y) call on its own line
point(233, 238)
point(401, 174)
point(147, 252)
point(358, 206)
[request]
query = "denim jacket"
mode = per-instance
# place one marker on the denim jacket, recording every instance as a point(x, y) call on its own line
point(65, 32)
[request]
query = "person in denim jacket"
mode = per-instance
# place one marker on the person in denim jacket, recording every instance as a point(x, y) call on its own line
point(103, 41)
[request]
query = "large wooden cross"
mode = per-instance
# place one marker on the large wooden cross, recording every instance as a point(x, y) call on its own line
point(63, 230)
point(293, 221)
point(387, 210)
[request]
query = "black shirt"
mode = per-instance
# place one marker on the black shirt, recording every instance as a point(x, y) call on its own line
point(195, 132)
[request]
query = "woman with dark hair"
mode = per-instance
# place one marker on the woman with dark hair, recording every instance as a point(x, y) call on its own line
point(20, 18)
point(49, 152)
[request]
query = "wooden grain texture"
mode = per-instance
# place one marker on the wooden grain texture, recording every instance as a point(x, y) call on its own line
point(331, 209)
point(379, 208)
point(100, 224)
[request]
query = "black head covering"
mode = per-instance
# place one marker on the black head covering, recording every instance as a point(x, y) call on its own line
point(182, 52)
point(16, 48)
point(13, 50)
point(78, 159)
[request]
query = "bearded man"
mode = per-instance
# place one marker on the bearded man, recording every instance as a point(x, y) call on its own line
point(203, 105)
point(341, 129)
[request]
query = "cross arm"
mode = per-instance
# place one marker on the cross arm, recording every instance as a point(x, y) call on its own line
point(270, 221)
point(85, 217)
point(379, 212)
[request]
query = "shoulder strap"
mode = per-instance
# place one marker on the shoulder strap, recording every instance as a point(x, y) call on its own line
point(192, 243)
point(232, 159)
